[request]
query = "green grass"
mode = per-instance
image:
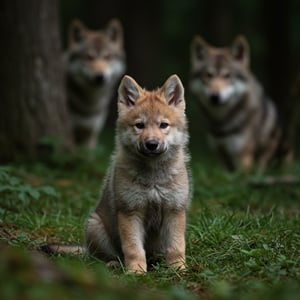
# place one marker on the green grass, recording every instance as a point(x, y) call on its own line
point(242, 242)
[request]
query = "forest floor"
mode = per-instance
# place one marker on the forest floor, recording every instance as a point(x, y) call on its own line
point(243, 241)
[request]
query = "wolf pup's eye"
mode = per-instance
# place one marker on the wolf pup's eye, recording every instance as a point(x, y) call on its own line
point(163, 125)
point(139, 125)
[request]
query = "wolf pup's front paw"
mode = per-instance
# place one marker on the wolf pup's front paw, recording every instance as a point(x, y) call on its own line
point(138, 268)
point(178, 265)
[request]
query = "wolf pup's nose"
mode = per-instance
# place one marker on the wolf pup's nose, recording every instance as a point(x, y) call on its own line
point(152, 145)
point(215, 98)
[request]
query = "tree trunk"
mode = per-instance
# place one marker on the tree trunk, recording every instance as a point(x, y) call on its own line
point(275, 22)
point(219, 22)
point(33, 101)
point(142, 33)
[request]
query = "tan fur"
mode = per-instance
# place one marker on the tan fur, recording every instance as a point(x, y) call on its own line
point(95, 61)
point(142, 211)
point(243, 124)
point(131, 229)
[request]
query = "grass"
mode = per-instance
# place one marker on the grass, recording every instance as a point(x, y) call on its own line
point(242, 242)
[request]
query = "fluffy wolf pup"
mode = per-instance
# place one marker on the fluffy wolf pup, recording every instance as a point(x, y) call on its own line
point(142, 210)
point(95, 61)
point(243, 124)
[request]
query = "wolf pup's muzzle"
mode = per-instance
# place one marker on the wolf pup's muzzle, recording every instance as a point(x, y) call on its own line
point(151, 147)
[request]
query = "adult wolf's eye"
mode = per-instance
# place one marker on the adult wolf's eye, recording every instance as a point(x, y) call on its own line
point(163, 125)
point(226, 75)
point(107, 56)
point(209, 74)
point(89, 56)
point(139, 125)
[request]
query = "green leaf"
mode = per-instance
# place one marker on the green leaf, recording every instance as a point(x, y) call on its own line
point(48, 190)
point(14, 180)
point(6, 187)
point(22, 196)
point(35, 194)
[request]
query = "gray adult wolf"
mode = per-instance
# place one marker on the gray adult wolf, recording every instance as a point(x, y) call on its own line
point(243, 124)
point(95, 61)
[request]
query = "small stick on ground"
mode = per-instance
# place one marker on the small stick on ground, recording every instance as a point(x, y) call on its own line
point(272, 180)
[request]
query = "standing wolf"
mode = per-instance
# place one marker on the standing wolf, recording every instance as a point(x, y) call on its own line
point(143, 205)
point(243, 124)
point(95, 61)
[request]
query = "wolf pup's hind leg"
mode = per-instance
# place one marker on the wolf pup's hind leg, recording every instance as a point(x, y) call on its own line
point(98, 241)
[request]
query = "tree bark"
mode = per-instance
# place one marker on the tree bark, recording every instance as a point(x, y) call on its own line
point(142, 34)
point(219, 22)
point(33, 102)
point(275, 22)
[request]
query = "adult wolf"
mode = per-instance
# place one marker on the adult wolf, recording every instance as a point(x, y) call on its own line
point(244, 126)
point(95, 61)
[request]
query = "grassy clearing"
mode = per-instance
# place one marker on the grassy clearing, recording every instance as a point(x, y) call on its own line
point(242, 242)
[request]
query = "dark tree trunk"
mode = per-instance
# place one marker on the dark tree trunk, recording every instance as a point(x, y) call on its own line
point(275, 19)
point(142, 30)
point(32, 102)
point(275, 22)
point(219, 22)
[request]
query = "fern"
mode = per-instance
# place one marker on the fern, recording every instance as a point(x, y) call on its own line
point(14, 188)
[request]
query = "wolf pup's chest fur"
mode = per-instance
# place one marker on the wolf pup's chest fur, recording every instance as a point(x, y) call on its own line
point(142, 210)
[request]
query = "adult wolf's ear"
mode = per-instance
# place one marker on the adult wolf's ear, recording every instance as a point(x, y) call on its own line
point(77, 32)
point(128, 91)
point(240, 50)
point(198, 48)
point(173, 91)
point(114, 31)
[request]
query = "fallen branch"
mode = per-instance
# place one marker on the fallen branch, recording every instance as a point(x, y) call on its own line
point(272, 180)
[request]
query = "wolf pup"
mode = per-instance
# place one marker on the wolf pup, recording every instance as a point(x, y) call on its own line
point(243, 124)
point(146, 192)
point(95, 61)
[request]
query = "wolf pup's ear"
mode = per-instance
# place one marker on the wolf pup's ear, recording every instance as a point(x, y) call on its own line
point(199, 48)
point(77, 32)
point(173, 91)
point(114, 31)
point(240, 50)
point(128, 91)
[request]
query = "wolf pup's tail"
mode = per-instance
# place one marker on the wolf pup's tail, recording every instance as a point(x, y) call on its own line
point(53, 249)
